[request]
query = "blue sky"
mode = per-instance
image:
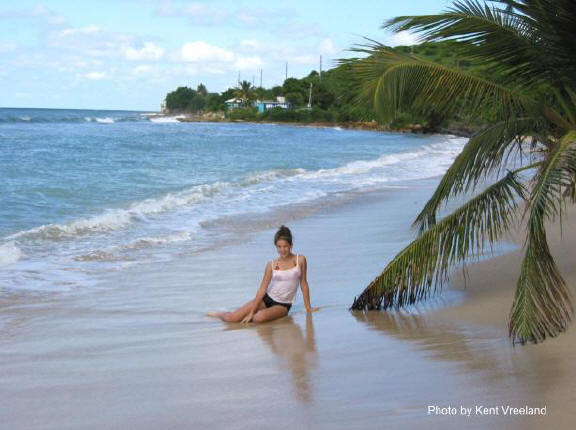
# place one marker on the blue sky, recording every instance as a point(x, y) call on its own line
point(127, 54)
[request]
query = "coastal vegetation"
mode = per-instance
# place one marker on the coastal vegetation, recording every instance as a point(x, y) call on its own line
point(519, 169)
point(246, 92)
point(332, 95)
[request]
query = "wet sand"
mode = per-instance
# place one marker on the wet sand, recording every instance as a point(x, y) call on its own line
point(138, 352)
point(490, 287)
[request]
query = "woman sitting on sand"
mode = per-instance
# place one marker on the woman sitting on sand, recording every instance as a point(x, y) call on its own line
point(278, 287)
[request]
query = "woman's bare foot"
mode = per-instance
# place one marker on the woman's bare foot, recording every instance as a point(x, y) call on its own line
point(214, 314)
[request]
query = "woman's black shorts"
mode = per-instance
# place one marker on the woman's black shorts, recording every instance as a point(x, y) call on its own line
point(269, 301)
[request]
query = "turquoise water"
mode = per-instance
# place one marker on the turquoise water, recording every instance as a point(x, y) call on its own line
point(88, 191)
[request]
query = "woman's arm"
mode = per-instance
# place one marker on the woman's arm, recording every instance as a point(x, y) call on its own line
point(305, 287)
point(261, 290)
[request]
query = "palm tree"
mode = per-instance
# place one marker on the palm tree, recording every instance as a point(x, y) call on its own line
point(246, 92)
point(202, 90)
point(528, 45)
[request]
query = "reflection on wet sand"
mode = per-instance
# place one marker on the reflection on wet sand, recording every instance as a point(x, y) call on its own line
point(295, 349)
point(481, 351)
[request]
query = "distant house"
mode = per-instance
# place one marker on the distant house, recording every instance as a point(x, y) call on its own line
point(264, 105)
point(233, 103)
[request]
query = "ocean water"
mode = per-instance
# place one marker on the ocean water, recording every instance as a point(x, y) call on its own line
point(84, 192)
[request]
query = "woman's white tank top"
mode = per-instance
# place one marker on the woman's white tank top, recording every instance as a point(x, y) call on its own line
point(284, 284)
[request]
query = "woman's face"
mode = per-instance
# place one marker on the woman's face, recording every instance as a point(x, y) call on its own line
point(283, 248)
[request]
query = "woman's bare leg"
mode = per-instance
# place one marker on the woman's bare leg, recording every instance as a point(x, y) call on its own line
point(239, 314)
point(270, 314)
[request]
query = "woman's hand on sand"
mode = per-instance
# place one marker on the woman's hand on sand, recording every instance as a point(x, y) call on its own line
point(248, 318)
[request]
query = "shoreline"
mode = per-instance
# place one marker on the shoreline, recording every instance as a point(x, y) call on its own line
point(347, 125)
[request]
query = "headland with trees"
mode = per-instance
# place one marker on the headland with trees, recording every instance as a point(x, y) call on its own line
point(329, 98)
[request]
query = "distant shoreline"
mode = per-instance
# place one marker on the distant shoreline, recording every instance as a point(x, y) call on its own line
point(460, 131)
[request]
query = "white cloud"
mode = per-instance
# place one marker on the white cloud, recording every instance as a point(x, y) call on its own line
point(213, 59)
point(237, 15)
point(95, 76)
point(301, 54)
point(73, 64)
point(196, 12)
point(248, 63)
point(402, 38)
point(143, 69)
point(71, 31)
point(199, 12)
point(87, 63)
point(201, 51)
point(99, 42)
point(149, 52)
point(305, 59)
point(327, 47)
point(39, 13)
point(212, 70)
point(196, 9)
point(194, 69)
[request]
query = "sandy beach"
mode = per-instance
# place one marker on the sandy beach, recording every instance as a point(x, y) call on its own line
point(138, 351)
point(489, 294)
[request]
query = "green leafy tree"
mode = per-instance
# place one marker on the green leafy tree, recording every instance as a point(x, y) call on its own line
point(295, 91)
point(201, 89)
point(322, 96)
point(185, 99)
point(215, 102)
point(526, 46)
point(295, 98)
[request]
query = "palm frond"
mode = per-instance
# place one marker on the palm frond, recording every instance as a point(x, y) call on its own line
point(525, 43)
point(468, 20)
point(425, 262)
point(553, 24)
point(542, 303)
point(485, 153)
point(396, 82)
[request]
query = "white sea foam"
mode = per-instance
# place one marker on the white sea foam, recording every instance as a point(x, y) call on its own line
point(106, 120)
point(167, 119)
point(145, 242)
point(9, 253)
point(25, 118)
point(114, 219)
point(445, 150)
point(98, 256)
point(268, 175)
point(43, 275)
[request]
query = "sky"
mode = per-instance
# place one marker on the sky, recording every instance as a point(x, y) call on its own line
point(128, 54)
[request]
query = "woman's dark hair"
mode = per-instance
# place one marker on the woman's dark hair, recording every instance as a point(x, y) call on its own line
point(283, 233)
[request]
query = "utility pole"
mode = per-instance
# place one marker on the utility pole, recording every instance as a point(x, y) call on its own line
point(238, 78)
point(310, 97)
point(320, 75)
point(286, 70)
point(260, 78)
